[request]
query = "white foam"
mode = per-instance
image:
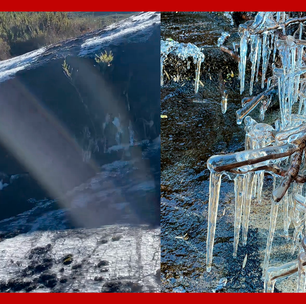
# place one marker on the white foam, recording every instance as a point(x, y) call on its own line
point(135, 24)
point(8, 68)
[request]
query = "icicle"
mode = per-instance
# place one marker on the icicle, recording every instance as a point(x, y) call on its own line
point(274, 48)
point(239, 187)
point(255, 185)
point(301, 31)
point(285, 201)
point(265, 57)
point(259, 57)
point(262, 113)
point(197, 77)
point(248, 187)
point(260, 179)
point(161, 70)
point(243, 56)
point(214, 191)
point(254, 54)
point(273, 217)
point(301, 272)
point(297, 205)
point(224, 102)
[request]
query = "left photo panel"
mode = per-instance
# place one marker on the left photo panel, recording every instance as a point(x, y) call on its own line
point(79, 152)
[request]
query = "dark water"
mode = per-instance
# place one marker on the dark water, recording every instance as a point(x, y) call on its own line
point(44, 117)
point(191, 133)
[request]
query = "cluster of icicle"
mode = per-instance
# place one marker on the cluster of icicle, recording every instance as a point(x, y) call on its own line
point(263, 48)
point(183, 51)
point(264, 45)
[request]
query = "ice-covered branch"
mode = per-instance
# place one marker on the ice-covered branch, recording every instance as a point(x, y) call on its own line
point(280, 25)
point(253, 103)
point(279, 150)
point(246, 160)
point(230, 52)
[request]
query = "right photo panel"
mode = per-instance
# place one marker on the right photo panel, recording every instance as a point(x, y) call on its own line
point(233, 140)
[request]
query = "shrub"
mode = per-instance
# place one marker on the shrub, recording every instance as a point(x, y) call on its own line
point(4, 50)
point(105, 58)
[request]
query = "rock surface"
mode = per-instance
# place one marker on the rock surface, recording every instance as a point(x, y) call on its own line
point(45, 249)
point(115, 258)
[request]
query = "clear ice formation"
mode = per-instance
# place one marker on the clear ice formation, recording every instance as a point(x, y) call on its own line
point(263, 46)
point(260, 43)
point(229, 16)
point(222, 38)
point(224, 102)
point(183, 51)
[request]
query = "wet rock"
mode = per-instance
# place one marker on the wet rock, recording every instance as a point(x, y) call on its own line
point(31, 287)
point(104, 270)
point(157, 275)
point(98, 279)
point(77, 266)
point(68, 259)
point(47, 273)
point(103, 263)
point(3, 286)
point(136, 287)
point(241, 17)
point(37, 266)
point(17, 284)
point(116, 238)
point(48, 280)
point(39, 250)
point(121, 286)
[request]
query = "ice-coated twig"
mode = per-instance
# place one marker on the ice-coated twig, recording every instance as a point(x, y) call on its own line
point(253, 103)
point(279, 25)
point(230, 52)
point(248, 158)
point(183, 51)
point(292, 172)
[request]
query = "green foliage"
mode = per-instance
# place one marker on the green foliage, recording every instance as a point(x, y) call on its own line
point(16, 26)
point(22, 32)
point(67, 70)
point(4, 50)
point(105, 58)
